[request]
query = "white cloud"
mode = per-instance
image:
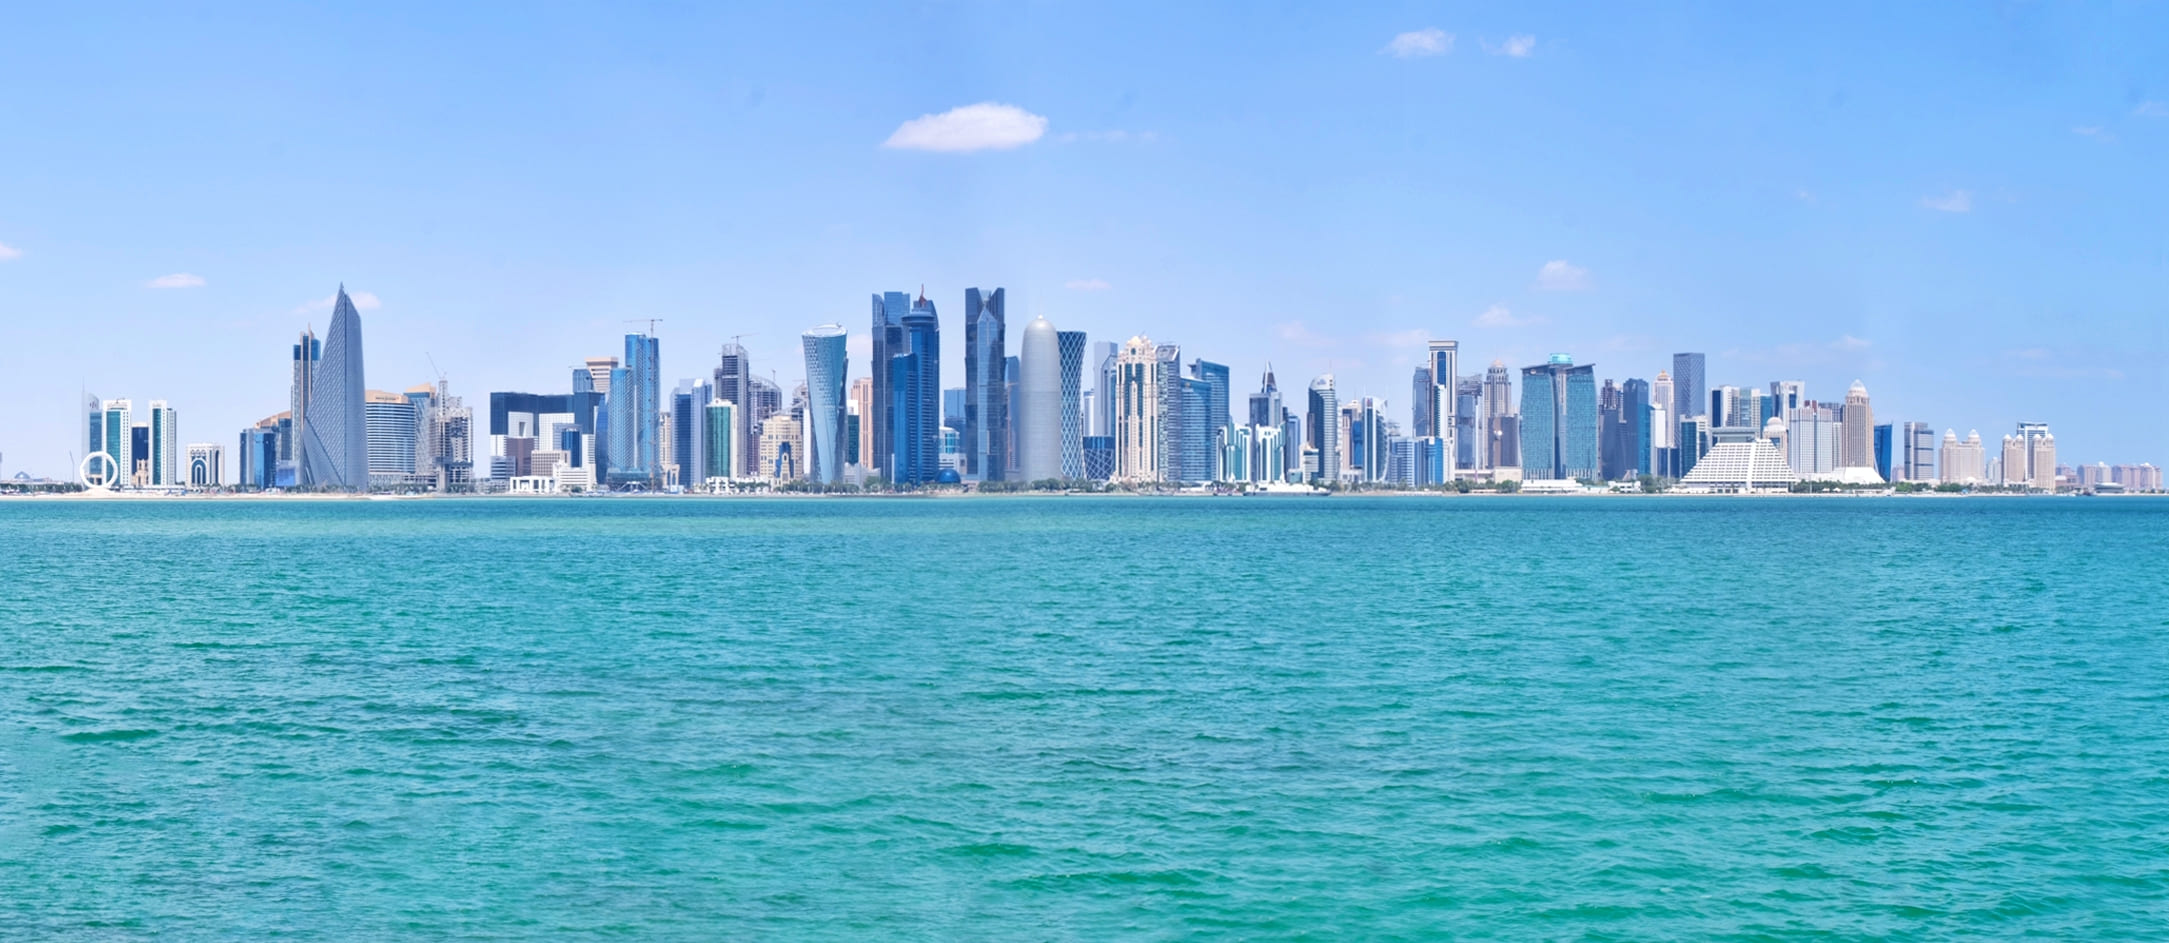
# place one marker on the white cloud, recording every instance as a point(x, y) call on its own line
point(1087, 284)
point(1957, 201)
point(980, 127)
point(1413, 337)
point(8, 252)
point(1561, 275)
point(1849, 342)
point(363, 301)
point(177, 280)
point(1422, 42)
point(2152, 110)
point(1500, 316)
point(2094, 131)
point(1519, 46)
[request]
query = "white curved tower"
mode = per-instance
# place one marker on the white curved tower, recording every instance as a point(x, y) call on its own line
point(1039, 423)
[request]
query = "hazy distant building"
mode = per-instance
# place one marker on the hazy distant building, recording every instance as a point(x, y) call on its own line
point(1917, 448)
point(1502, 426)
point(1963, 463)
point(986, 385)
point(1859, 431)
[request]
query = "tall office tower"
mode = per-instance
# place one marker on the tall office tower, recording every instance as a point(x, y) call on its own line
point(1071, 347)
point(733, 380)
point(1138, 417)
point(391, 423)
point(139, 445)
point(256, 464)
point(451, 434)
point(986, 390)
point(1039, 423)
point(1013, 371)
point(767, 397)
point(1215, 378)
point(1759, 407)
point(1725, 408)
point(914, 410)
point(1634, 437)
point(1502, 427)
point(335, 438)
point(1351, 459)
point(1444, 359)
point(1368, 437)
point(1193, 448)
point(1917, 451)
point(423, 399)
point(888, 331)
point(308, 352)
point(780, 459)
point(1174, 398)
point(1468, 440)
point(1612, 449)
point(952, 413)
point(1789, 394)
point(721, 443)
point(634, 455)
point(689, 432)
point(1559, 420)
point(1419, 401)
point(1660, 393)
point(205, 465)
point(1859, 428)
point(2041, 459)
point(1324, 427)
point(165, 440)
point(92, 422)
point(1662, 433)
point(1883, 450)
point(1813, 441)
point(599, 370)
point(115, 442)
point(827, 365)
point(1265, 403)
point(1688, 397)
point(862, 405)
point(1102, 364)
point(1291, 445)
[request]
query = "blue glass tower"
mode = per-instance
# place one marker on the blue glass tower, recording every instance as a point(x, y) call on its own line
point(914, 372)
point(826, 366)
point(986, 386)
point(888, 337)
point(1559, 420)
point(635, 415)
point(335, 438)
point(1073, 356)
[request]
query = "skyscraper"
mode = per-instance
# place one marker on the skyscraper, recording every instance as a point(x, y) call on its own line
point(1688, 391)
point(1324, 427)
point(689, 432)
point(1039, 422)
point(1177, 410)
point(1137, 414)
point(914, 372)
point(1419, 401)
point(308, 352)
point(986, 390)
point(1917, 448)
point(1883, 450)
point(1072, 344)
point(888, 339)
point(391, 425)
point(721, 444)
point(1468, 439)
point(1502, 426)
point(1858, 420)
point(862, 406)
point(734, 385)
point(826, 366)
point(633, 456)
point(1559, 420)
point(1441, 418)
point(335, 435)
point(165, 463)
point(1102, 364)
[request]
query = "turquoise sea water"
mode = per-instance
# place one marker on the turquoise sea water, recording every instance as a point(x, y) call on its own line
point(1085, 719)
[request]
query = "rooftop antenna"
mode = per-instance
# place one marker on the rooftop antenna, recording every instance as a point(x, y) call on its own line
point(651, 322)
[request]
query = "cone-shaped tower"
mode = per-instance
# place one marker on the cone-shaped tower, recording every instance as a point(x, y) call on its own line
point(335, 444)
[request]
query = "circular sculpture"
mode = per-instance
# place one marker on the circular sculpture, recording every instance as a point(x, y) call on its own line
point(99, 470)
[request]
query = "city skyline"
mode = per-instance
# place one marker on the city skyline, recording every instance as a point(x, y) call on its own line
point(1751, 199)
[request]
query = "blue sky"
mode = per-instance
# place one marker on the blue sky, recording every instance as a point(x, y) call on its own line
point(1965, 206)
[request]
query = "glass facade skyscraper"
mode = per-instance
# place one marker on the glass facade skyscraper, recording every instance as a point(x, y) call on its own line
point(334, 429)
point(826, 369)
point(986, 386)
point(1324, 427)
point(1688, 387)
point(1559, 420)
point(914, 372)
point(888, 337)
point(1072, 344)
point(633, 456)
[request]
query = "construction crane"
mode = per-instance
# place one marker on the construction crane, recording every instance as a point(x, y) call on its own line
point(650, 322)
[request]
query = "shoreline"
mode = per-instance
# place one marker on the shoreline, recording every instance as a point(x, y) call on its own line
point(131, 496)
